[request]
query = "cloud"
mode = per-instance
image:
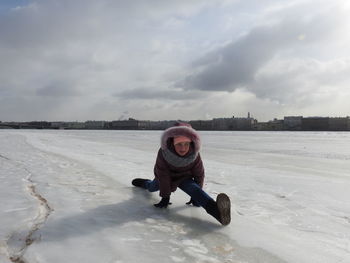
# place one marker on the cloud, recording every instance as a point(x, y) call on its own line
point(58, 89)
point(298, 81)
point(157, 94)
point(98, 59)
point(248, 61)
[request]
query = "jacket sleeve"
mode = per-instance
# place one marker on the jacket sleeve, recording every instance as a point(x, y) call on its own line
point(162, 173)
point(198, 171)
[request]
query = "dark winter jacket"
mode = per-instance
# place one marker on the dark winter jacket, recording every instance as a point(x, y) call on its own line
point(170, 168)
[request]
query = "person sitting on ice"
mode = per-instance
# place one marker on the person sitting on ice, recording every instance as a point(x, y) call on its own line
point(179, 165)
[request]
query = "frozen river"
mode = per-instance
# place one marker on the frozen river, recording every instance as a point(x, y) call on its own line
point(66, 197)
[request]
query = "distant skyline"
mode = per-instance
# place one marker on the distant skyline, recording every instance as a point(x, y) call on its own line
point(123, 119)
point(78, 60)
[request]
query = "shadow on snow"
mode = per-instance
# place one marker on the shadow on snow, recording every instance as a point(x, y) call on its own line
point(138, 209)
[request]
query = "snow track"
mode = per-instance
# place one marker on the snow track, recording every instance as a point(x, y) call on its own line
point(18, 243)
point(20, 239)
point(4, 157)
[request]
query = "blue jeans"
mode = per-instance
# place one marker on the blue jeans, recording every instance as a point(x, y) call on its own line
point(189, 186)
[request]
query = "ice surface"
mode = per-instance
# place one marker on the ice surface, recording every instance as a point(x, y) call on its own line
point(66, 197)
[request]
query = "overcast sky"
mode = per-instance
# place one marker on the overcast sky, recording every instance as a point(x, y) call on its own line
point(173, 59)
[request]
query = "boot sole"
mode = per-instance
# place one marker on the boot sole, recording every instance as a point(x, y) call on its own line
point(139, 182)
point(224, 207)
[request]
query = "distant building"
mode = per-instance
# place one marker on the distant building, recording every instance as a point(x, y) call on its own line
point(289, 123)
point(206, 125)
point(244, 124)
point(130, 124)
point(339, 124)
point(38, 124)
point(67, 125)
point(161, 125)
point(3, 125)
point(292, 123)
point(95, 125)
point(144, 125)
point(76, 125)
point(234, 124)
point(315, 124)
point(57, 125)
point(274, 125)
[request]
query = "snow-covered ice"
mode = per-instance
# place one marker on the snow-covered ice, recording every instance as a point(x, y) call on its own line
point(66, 197)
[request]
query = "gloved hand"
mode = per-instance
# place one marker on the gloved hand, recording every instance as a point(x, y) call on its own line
point(192, 202)
point(163, 203)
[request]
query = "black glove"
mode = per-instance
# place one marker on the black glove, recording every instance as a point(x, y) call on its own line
point(192, 202)
point(163, 203)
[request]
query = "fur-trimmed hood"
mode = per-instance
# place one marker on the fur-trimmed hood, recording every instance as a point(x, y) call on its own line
point(181, 130)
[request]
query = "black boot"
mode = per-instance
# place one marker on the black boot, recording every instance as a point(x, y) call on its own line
point(221, 209)
point(139, 182)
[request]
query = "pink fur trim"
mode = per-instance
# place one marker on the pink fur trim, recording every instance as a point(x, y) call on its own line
point(181, 131)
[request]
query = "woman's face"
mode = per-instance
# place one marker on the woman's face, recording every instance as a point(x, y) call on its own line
point(182, 148)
